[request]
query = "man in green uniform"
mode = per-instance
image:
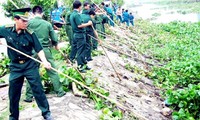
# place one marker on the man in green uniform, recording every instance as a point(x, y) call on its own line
point(89, 31)
point(104, 17)
point(68, 29)
point(18, 37)
point(43, 31)
point(86, 8)
point(99, 26)
point(79, 38)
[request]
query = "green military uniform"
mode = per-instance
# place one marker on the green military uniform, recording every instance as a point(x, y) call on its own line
point(79, 38)
point(68, 29)
point(105, 20)
point(99, 27)
point(89, 31)
point(85, 11)
point(43, 31)
point(22, 67)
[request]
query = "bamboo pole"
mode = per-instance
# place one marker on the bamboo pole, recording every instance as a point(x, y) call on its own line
point(80, 83)
point(96, 34)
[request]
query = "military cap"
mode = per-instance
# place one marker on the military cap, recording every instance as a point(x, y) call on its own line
point(23, 13)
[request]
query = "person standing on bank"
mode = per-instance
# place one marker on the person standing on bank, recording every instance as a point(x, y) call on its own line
point(44, 31)
point(86, 8)
point(79, 41)
point(119, 14)
point(126, 18)
point(131, 19)
point(68, 29)
point(89, 31)
point(24, 40)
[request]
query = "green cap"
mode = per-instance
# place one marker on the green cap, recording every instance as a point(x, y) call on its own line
point(23, 13)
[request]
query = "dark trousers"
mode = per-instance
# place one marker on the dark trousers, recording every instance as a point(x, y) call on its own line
point(111, 22)
point(18, 72)
point(120, 18)
point(132, 23)
point(53, 75)
point(126, 21)
point(73, 51)
point(80, 40)
point(69, 33)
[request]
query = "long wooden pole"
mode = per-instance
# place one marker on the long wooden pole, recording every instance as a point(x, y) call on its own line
point(96, 34)
point(80, 83)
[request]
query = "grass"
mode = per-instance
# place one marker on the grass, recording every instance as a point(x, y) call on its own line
point(176, 45)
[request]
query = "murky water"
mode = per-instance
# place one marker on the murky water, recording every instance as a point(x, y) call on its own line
point(160, 14)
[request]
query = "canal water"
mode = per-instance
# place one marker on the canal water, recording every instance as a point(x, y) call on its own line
point(159, 13)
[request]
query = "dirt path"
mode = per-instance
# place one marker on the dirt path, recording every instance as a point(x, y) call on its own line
point(137, 93)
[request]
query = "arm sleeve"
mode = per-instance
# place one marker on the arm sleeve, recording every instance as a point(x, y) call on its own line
point(2, 32)
point(36, 44)
point(78, 20)
point(53, 36)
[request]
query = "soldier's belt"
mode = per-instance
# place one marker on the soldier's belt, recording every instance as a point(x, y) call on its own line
point(20, 61)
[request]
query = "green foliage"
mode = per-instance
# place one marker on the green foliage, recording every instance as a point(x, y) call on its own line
point(134, 69)
point(109, 114)
point(4, 63)
point(62, 35)
point(46, 4)
point(97, 53)
point(177, 45)
point(8, 6)
point(183, 67)
point(185, 102)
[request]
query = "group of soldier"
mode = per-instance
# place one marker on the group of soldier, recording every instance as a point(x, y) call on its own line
point(35, 37)
point(122, 15)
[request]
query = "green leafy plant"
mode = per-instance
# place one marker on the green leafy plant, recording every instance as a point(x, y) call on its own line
point(185, 102)
point(4, 63)
point(176, 46)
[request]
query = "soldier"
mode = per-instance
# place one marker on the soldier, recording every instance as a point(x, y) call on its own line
point(18, 37)
point(89, 31)
point(69, 31)
point(79, 38)
point(44, 31)
point(86, 8)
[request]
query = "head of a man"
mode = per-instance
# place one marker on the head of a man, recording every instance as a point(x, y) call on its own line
point(77, 5)
point(92, 14)
point(102, 3)
point(86, 5)
point(37, 10)
point(21, 17)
